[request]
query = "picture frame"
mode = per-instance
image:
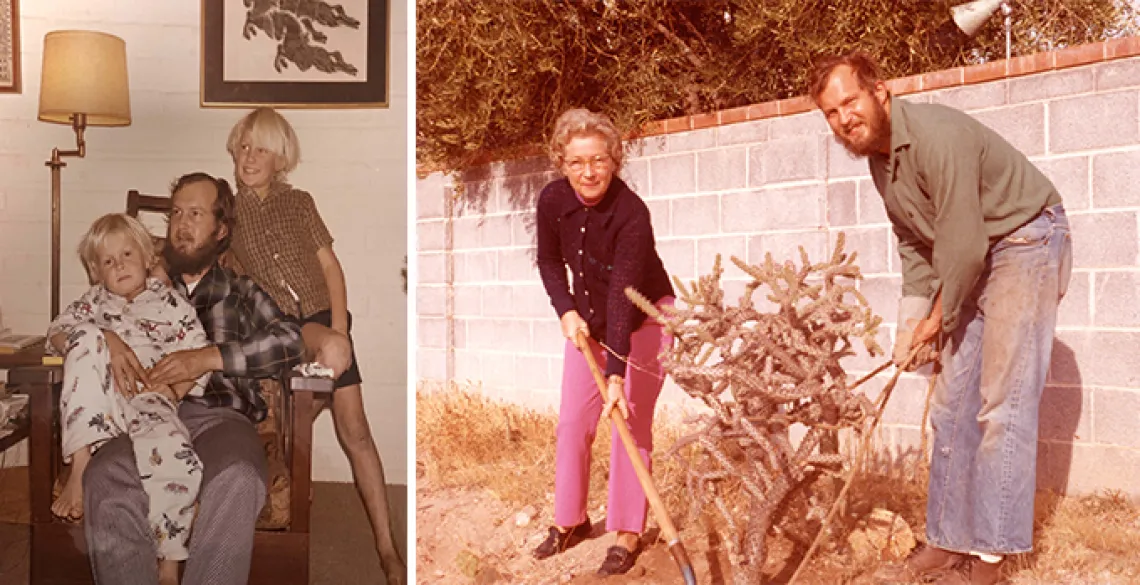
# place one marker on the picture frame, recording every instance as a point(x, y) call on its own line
point(10, 79)
point(295, 53)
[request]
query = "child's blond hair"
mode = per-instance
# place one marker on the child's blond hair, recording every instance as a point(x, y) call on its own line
point(269, 130)
point(113, 223)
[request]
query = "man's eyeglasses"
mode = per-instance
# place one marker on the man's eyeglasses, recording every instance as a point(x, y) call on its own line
point(578, 165)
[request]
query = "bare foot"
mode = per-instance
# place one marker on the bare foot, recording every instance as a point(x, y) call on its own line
point(167, 572)
point(394, 569)
point(69, 505)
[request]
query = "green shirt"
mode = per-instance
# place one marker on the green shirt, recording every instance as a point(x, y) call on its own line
point(952, 188)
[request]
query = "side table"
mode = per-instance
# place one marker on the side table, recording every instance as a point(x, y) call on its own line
point(28, 375)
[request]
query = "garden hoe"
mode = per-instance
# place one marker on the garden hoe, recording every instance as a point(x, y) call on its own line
point(676, 548)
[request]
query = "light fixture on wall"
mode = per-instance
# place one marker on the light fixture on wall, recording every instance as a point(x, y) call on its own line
point(970, 17)
point(84, 83)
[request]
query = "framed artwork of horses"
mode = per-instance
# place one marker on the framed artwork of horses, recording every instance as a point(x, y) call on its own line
point(295, 53)
point(9, 46)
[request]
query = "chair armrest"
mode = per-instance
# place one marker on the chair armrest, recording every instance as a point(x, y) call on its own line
point(294, 381)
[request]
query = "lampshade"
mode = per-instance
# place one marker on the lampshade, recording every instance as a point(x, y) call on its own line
point(85, 72)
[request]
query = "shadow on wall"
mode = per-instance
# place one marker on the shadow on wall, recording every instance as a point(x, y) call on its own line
point(520, 182)
point(1060, 414)
point(510, 187)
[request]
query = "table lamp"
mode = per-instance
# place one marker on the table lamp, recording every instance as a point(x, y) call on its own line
point(84, 83)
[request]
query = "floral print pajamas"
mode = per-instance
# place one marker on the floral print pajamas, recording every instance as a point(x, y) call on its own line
point(157, 322)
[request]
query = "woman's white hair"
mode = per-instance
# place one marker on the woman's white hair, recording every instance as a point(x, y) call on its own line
point(582, 122)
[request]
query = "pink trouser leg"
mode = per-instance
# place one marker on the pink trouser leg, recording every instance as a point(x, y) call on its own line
point(580, 408)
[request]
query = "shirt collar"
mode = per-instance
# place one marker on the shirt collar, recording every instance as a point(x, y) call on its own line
point(275, 188)
point(570, 203)
point(212, 288)
point(900, 134)
point(153, 287)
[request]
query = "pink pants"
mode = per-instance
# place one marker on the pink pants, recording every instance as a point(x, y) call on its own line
point(578, 424)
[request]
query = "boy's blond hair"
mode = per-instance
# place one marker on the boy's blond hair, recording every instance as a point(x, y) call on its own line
point(269, 130)
point(113, 223)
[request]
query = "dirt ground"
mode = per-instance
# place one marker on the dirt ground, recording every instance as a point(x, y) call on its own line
point(466, 535)
point(470, 536)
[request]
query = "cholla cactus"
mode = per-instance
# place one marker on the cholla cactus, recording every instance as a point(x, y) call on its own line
point(760, 373)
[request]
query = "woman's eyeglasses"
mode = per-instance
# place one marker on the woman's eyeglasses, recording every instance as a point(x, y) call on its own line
point(579, 164)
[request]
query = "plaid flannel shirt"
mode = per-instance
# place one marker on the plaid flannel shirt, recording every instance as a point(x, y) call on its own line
point(254, 336)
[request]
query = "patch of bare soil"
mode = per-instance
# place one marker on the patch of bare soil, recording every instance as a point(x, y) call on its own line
point(466, 536)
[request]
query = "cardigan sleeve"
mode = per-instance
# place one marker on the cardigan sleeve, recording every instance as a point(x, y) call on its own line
point(551, 264)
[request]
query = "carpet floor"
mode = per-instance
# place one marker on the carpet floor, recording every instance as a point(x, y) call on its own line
point(341, 549)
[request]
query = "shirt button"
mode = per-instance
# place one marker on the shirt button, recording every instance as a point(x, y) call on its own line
point(579, 252)
point(580, 274)
point(583, 229)
point(587, 293)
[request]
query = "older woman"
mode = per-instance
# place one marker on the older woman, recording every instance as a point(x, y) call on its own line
point(592, 223)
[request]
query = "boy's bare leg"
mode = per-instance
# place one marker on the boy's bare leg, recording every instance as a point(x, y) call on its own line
point(69, 505)
point(355, 438)
point(167, 572)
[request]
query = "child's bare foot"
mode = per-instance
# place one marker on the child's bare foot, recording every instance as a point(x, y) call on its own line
point(69, 505)
point(167, 572)
point(394, 568)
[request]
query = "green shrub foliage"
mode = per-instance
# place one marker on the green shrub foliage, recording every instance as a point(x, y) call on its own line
point(492, 75)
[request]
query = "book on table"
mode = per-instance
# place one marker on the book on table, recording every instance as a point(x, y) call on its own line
point(15, 342)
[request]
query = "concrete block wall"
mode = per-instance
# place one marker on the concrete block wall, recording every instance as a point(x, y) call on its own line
point(769, 178)
point(353, 161)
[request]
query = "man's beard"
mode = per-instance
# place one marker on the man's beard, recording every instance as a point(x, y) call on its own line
point(878, 127)
point(194, 261)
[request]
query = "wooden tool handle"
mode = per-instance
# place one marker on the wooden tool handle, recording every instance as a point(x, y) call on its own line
point(655, 503)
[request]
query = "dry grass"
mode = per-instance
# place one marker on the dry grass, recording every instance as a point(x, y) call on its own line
point(1088, 539)
point(464, 439)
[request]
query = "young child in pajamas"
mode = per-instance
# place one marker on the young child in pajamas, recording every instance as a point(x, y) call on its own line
point(126, 306)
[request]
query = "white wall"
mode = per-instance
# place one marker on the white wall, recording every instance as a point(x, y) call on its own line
point(354, 163)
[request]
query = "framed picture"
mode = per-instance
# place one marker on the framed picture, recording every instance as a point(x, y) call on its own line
point(295, 53)
point(9, 46)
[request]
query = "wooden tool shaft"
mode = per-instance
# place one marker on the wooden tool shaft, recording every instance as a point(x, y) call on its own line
point(643, 475)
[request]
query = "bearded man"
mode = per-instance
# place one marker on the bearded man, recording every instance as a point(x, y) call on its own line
point(986, 255)
point(251, 338)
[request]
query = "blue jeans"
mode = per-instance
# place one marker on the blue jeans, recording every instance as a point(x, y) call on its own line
point(984, 410)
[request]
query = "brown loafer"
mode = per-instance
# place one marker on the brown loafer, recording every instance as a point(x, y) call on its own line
point(558, 541)
point(619, 560)
point(924, 563)
point(972, 571)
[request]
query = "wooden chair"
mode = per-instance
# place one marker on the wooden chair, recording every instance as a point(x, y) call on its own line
point(281, 543)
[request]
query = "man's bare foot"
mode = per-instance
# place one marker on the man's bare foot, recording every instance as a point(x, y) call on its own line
point(167, 572)
point(394, 569)
point(69, 505)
